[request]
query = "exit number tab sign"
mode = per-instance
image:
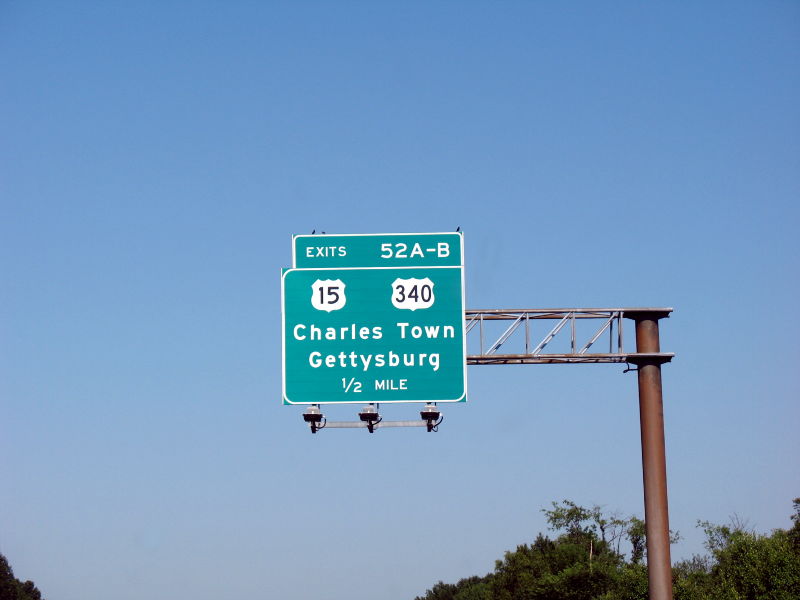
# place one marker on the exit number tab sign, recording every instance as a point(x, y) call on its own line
point(378, 250)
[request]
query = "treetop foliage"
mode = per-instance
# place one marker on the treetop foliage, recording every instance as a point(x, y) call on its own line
point(12, 588)
point(585, 562)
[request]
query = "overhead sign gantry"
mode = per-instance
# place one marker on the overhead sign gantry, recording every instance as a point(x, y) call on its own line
point(344, 335)
point(374, 318)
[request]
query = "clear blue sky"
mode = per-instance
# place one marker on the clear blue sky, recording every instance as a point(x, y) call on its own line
point(155, 158)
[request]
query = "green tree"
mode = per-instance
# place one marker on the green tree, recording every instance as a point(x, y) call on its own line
point(584, 562)
point(752, 566)
point(794, 532)
point(636, 536)
point(12, 588)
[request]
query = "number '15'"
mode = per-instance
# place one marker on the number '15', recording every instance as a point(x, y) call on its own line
point(330, 292)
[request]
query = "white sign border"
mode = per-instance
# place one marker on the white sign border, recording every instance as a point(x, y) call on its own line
point(284, 272)
point(324, 235)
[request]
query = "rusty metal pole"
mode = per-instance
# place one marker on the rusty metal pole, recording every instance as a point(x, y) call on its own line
point(654, 463)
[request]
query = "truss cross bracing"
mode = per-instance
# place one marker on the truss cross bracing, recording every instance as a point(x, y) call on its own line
point(557, 335)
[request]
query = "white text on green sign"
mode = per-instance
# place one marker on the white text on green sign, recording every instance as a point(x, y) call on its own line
point(373, 335)
point(378, 250)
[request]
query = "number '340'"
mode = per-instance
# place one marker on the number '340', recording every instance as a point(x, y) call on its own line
point(412, 293)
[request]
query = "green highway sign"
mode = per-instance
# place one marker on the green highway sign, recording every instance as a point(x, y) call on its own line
point(378, 250)
point(374, 334)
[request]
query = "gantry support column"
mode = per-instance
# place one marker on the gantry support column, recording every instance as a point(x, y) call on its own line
point(654, 463)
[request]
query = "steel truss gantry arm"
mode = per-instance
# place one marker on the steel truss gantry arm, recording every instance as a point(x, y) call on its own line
point(529, 331)
point(525, 334)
